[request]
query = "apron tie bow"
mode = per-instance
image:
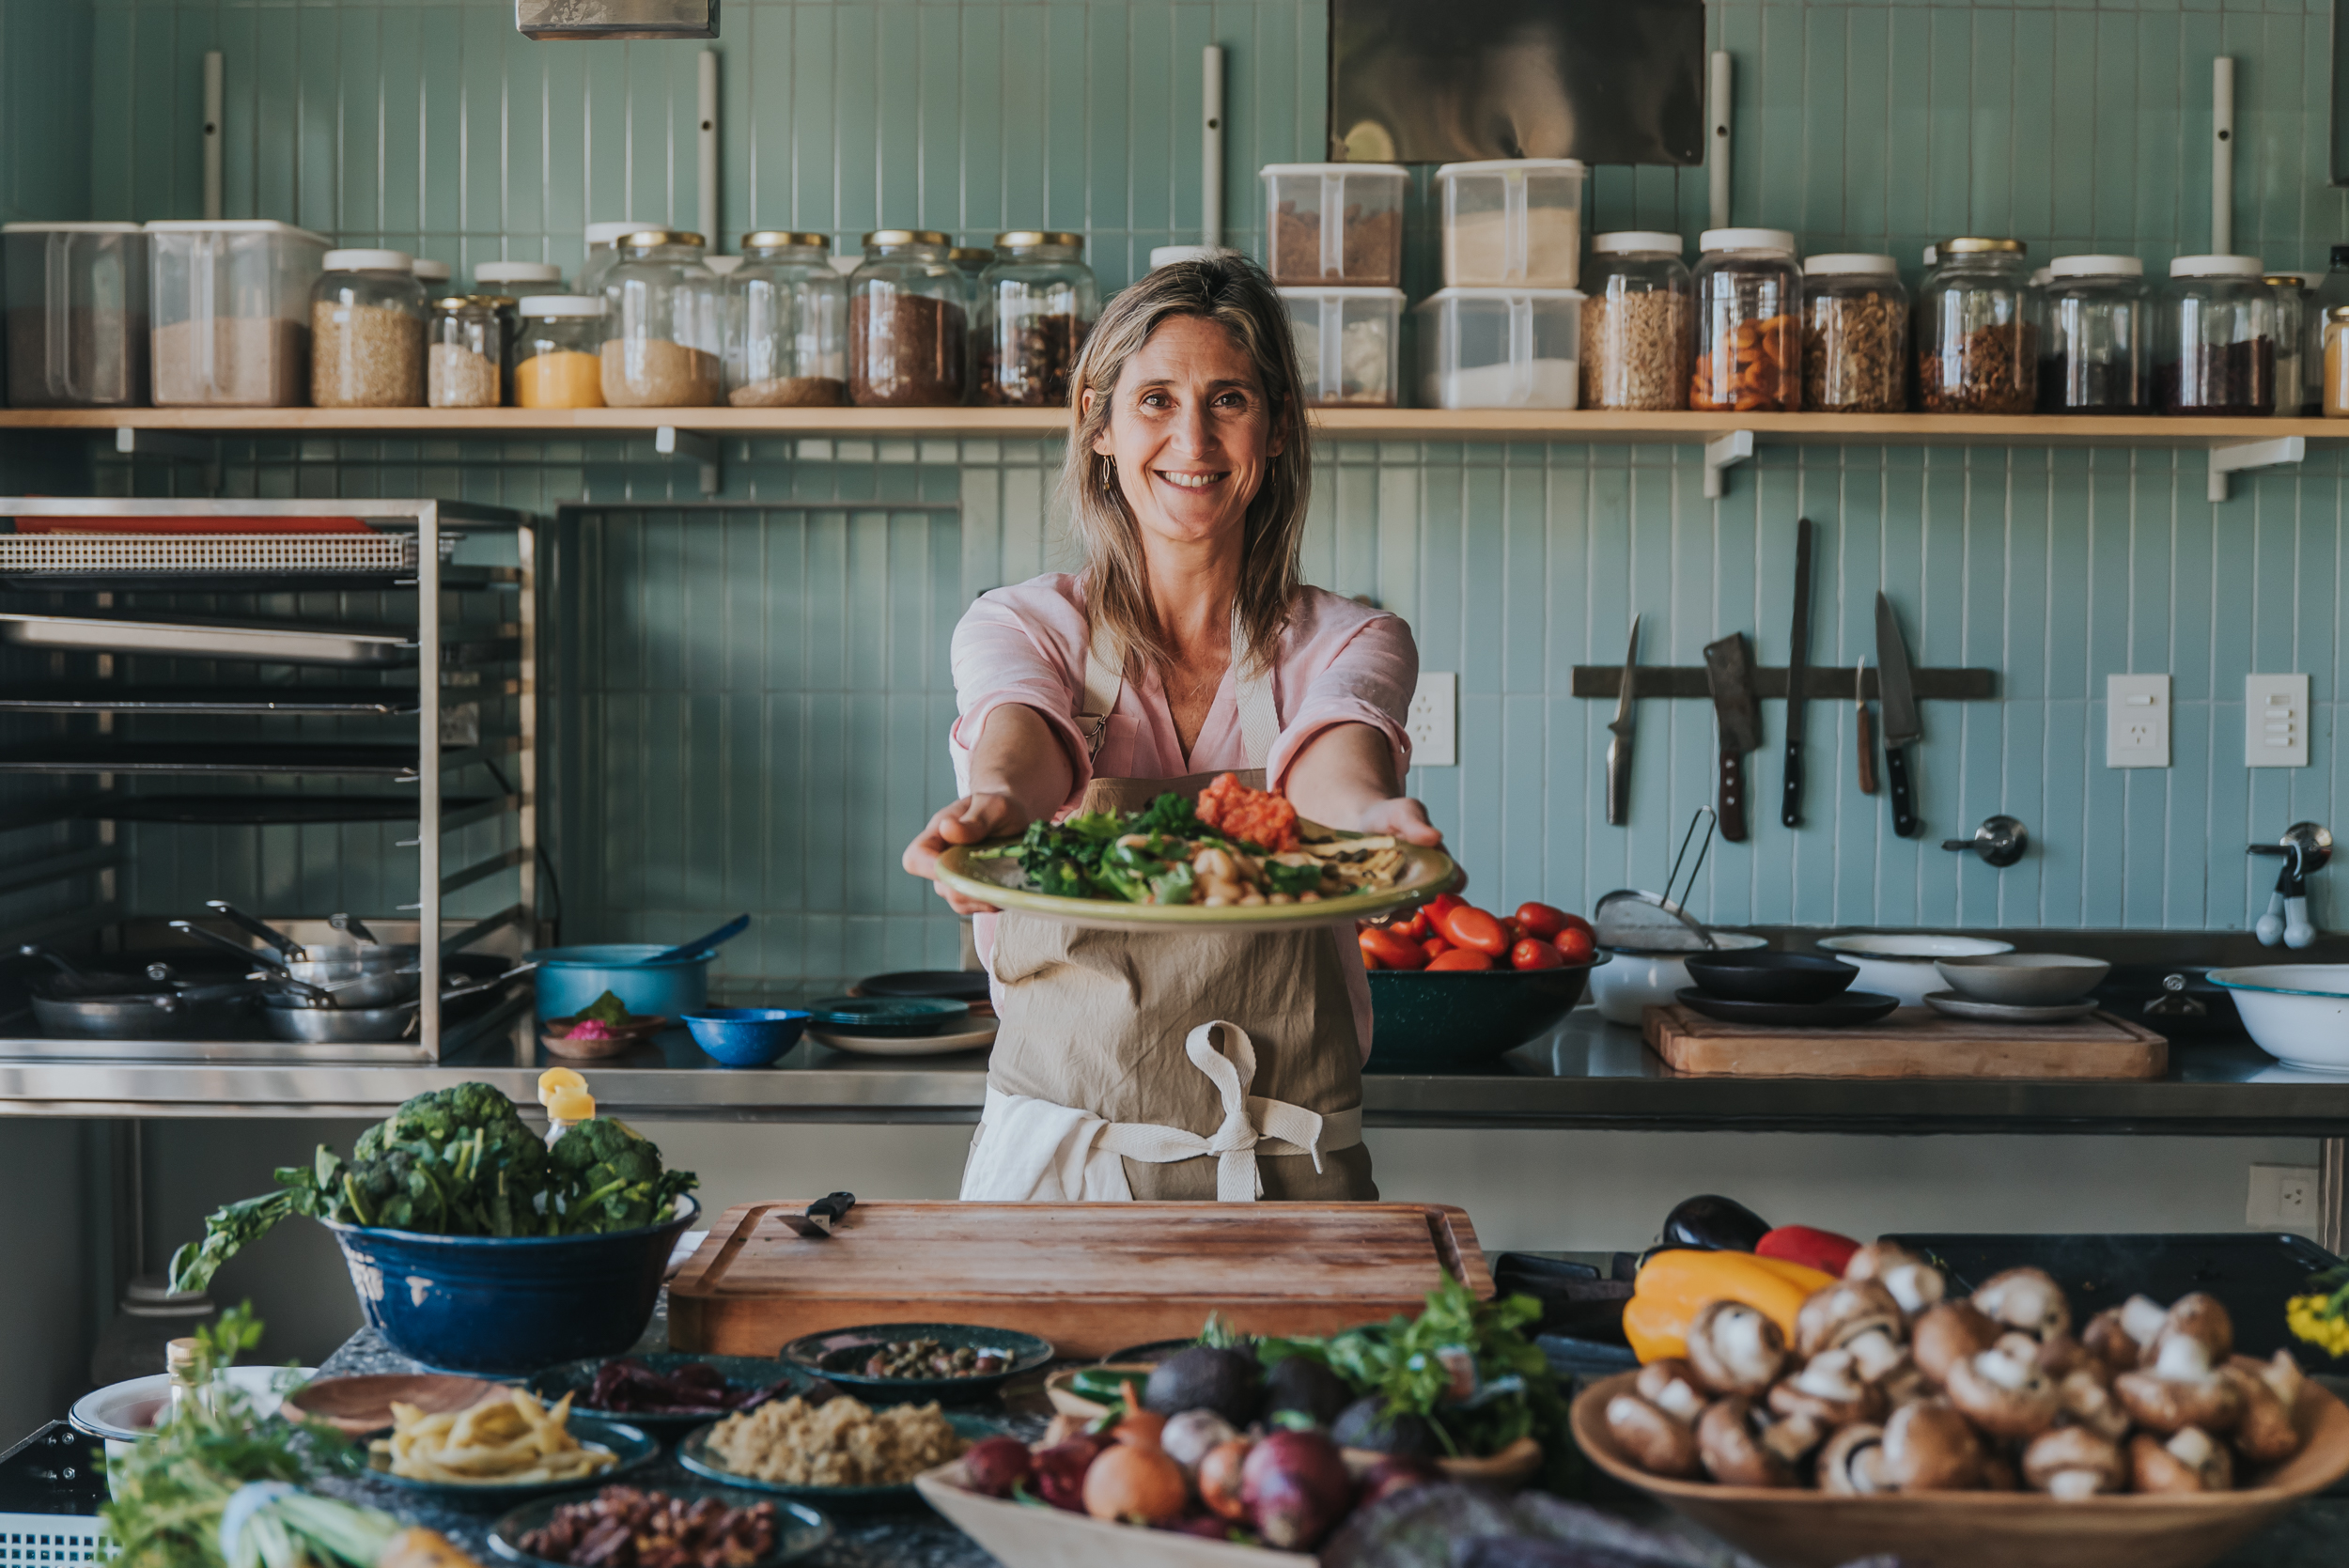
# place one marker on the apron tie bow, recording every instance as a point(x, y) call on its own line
point(1246, 1119)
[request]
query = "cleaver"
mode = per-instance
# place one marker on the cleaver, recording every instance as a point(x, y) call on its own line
point(1729, 675)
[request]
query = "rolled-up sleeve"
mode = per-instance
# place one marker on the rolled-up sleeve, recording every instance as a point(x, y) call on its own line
point(999, 657)
point(1369, 680)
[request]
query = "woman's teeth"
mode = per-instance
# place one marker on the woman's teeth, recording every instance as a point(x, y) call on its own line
point(1190, 481)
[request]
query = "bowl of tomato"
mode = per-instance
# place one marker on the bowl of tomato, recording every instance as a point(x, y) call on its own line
point(1455, 989)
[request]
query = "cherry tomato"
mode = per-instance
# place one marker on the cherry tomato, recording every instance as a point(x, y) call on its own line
point(1462, 958)
point(1576, 947)
point(1436, 947)
point(1576, 922)
point(1370, 960)
point(1542, 920)
point(1415, 927)
point(1440, 906)
point(1393, 952)
point(1534, 954)
point(1470, 926)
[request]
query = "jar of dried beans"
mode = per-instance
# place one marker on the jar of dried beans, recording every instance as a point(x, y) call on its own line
point(1977, 330)
point(1635, 323)
point(464, 354)
point(1748, 315)
point(2216, 344)
point(664, 323)
point(2097, 351)
point(908, 331)
point(1036, 304)
point(2292, 328)
point(366, 332)
point(787, 341)
point(1854, 334)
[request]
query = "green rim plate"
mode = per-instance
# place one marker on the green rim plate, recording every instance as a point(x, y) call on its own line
point(1425, 874)
point(694, 1454)
point(635, 1449)
point(742, 1374)
point(810, 1353)
point(804, 1528)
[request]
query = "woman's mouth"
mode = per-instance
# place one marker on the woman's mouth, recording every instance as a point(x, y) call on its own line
point(1195, 481)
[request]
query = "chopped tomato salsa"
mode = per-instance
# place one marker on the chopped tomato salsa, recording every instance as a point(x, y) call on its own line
point(1255, 817)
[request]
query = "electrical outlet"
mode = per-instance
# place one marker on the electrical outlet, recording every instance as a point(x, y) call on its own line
point(1433, 722)
point(2137, 720)
point(2275, 720)
point(2283, 1198)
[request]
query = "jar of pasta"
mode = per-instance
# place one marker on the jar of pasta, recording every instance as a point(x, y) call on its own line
point(1977, 329)
point(664, 324)
point(366, 332)
point(558, 352)
point(1748, 322)
point(1854, 334)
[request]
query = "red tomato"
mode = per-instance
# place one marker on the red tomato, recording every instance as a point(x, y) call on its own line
point(1576, 947)
point(1393, 952)
point(1576, 922)
point(1511, 929)
point(1440, 906)
point(1461, 958)
point(1534, 954)
point(1470, 926)
point(1541, 920)
point(1436, 947)
point(1415, 927)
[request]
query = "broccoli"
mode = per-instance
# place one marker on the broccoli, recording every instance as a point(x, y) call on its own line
point(613, 1177)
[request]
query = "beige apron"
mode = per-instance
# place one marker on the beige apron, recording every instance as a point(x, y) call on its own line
point(1205, 1065)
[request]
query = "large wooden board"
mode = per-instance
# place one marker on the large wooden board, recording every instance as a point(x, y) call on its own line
point(1091, 1278)
point(1912, 1042)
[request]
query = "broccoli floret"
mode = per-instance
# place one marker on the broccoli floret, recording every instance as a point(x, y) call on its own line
point(612, 1177)
point(439, 1115)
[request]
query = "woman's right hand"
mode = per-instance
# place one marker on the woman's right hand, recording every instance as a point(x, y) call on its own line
point(972, 819)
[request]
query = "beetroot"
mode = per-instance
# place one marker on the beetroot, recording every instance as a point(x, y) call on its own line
point(1059, 1476)
point(1295, 1487)
point(997, 1465)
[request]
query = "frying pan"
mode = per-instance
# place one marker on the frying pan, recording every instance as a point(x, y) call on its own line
point(88, 1005)
point(365, 952)
point(321, 983)
point(309, 1024)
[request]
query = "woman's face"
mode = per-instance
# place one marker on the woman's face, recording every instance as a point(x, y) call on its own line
point(1191, 431)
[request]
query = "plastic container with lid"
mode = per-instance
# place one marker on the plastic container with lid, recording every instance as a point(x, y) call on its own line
point(77, 323)
point(1747, 341)
point(1977, 329)
point(909, 333)
point(2293, 315)
point(787, 322)
point(366, 332)
point(1348, 344)
point(230, 303)
point(1036, 303)
point(1636, 322)
point(1338, 224)
point(558, 351)
point(1512, 222)
point(1501, 347)
point(1854, 334)
point(2096, 353)
point(603, 249)
point(664, 324)
point(2215, 346)
point(464, 352)
point(2334, 401)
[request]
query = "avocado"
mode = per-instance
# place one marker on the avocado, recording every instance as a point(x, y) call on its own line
point(1202, 1378)
point(1302, 1384)
point(1364, 1424)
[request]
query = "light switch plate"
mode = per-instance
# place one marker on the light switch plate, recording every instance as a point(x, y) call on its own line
point(2275, 720)
point(1433, 722)
point(2137, 720)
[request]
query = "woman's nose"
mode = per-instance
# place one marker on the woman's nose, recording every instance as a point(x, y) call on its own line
point(1194, 432)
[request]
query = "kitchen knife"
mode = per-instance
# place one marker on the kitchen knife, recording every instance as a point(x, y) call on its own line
point(1797, 657)
point(823, 1216)
point(1729, 671)
point(1902, 726)
point(1619, 749)
point(1867, 729)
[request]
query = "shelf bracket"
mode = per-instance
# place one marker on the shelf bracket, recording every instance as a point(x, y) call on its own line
point(1726, 451)
point(2252, 454)
point(670, 442)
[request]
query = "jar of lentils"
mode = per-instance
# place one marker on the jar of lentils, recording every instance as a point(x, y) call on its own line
point(1748, 322)
point(1636, 322)
point(1977, 330)
point(787, 345)
point(366, 332)
point(664, 323)
point(2216, 343)
point(2292, 337)
point(1036, 304)
point(909, 335)
point(1854, 334)
point(2097, 351)
point(464, 353)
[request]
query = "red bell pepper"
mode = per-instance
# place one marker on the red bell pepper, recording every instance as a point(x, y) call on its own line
point(1814, 1248)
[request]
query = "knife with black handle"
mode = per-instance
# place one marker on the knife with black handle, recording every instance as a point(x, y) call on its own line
point(1902, 726)
point(1729, 673)
point(1619, 747)
point(1798, 659)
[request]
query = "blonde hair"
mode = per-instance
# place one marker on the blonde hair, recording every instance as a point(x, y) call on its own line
point(1233, 292)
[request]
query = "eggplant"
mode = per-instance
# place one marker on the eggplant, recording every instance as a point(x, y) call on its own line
point(1711, 1223)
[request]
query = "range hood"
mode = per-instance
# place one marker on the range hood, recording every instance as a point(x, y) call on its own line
point(590, 19)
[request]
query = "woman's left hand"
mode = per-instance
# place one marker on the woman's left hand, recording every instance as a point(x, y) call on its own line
point(1402, 817)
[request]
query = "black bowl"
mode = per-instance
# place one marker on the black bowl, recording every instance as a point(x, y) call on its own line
point(1465, 1019)
point(1758, 975)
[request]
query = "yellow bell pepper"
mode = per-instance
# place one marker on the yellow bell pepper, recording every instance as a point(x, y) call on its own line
point(1674, 1287)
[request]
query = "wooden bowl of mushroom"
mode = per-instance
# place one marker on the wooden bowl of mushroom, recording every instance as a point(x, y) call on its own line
point(1990, 1430)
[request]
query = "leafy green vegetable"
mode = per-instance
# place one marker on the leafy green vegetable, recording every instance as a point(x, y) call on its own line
point(607, 1008)
point(1083, 857)
point(1292, 879)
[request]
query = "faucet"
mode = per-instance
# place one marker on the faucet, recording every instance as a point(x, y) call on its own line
point(2304, 847)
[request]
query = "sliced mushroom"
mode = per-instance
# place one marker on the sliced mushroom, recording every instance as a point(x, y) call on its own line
point(2028, 1299)
point(1830, 1391)
point(1852, 1464)
point(2168, 1403)
point(2072, 1462)
point(1928, 1446)
point(1836, 1315)
point(1672, 1388)
point(2265, 1433)
point(1651, 1438)
point(2191, 1461)
point(1734, 1349)
point(2004, 1394)
point(2199, 1318)
point(1730, 1440)
point(1949, 1333)
point(2083, 1399)
point(1915, 1283)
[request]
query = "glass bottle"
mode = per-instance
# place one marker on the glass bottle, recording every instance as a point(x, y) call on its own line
point(2097, 351)
point(1747, 353)
point(1636, 322)
point(2217, 345)
point(664, 324)
point(909, 338)
point(1036, 304)
point(1977, 330)
point(2293, 318)
point(786, 313)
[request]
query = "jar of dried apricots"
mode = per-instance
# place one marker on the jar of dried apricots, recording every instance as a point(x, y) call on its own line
point(1748, 323)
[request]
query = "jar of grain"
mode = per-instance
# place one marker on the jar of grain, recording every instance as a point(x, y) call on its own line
point(786, 312)
point(908, 323)
point(464, 353)
point(1748, 315)
point(1512, 222)
point(231, 307)
point(77, 330)
point(1977, 329)
point(1036, 304)
point(664, 324)
point(1635, 323)
point(2215, 343)
point(2097, 351)
point(558, 351)
point(1854, 334)
point(366, 332)
point(2335, 381)
point(2292, 327)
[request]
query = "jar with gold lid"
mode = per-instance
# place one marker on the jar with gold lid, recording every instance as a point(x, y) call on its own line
point(787, 311)
point(908, 329)
point(1977, 329)
point(664, 323)
point(1037, 302)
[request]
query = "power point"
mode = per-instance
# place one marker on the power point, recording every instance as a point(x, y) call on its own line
point(1433, 722)
point(2137, 720)
point(2283, 1198)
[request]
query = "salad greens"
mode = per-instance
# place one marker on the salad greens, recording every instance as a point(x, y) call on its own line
point(1081, 856)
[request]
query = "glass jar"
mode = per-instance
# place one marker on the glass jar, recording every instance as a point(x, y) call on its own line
point(434, 275)
point(2216, 344)
point(603, 250)
point(2096, 356)
point(1749, 315)
point(2292, 337)
point(1036, 304)
point(909, 338)
point(1977, 330)
point(518, 279)
point(1854, 334)
point(77, 325)
point(464, 353)
point(2333, 402)
point(1635, 323)
point(970, 260)
point(558, 351)
point(231, 306)
point(664, 324)
point(367, 333)
point(786, 317)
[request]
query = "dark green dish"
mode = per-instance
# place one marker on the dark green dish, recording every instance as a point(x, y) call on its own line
point(634, 1449)
point(742, 1373)
point(835, 1354)
point(1471, 1018)
point(801, 1530)
point(694, 1454)
point(886, 1017)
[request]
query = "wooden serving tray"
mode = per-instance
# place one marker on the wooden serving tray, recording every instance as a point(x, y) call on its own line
point(1912, 1042)
point(1091, 1278)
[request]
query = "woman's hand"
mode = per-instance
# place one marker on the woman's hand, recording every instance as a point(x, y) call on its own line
point(1345, 778)
point(1402, 817)
point(972, 819)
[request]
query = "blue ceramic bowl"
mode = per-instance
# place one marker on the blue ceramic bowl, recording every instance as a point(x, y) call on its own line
point(570, 978)
point(746, 1036)
point(504, 1305)
point(886, 1017)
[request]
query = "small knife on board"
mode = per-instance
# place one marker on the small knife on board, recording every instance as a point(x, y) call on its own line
point(1867, 728)
point(1798, 660)
point(1729, 673)
point(1902, 726)
point(822, 1219)
point(1619, 749)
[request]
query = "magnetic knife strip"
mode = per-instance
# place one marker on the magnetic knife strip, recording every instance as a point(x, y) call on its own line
point(1821, 683)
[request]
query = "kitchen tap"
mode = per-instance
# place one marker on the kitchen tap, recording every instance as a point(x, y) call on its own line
point(2304, 847)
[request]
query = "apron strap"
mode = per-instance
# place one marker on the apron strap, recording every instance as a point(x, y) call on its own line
point(1252, 1124)
point(1105, 682)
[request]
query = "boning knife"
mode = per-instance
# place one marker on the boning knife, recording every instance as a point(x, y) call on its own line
point(1619, 749)
point(1798, 659)
point(1902, 726)
point(1729, 673)
point(1867, 728)
point(822, 1219)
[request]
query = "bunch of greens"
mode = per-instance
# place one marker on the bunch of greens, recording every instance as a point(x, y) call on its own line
point(456, 1161)
point(1082, 857)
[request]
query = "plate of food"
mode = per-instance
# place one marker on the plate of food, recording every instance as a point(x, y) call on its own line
point(1236, 857)
point(724, 1527)
point(919, 1360)
point(840, 1452)
point(665, 1392)
point(509, 1444)
point(604, 1027)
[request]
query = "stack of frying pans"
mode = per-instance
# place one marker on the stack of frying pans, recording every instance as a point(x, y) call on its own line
point(334, 994)
point(92, 1004)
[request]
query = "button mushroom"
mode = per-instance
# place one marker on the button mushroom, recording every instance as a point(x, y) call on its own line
point(2118, 1335)
point(1928, 1446)
point(2004, 1394)
point(1852, 1464)
point(2267, 1434)
point(1915, 1283)
point(2072, 1462)
point(2198, 1318)
point(1672, 1388)
point(1860, 1316)
point(2181, 1385)
point(1742, 1447)
point(2191, 1461)
point(2084, 1399)
point(2026, 1299)
point(1950, 1333)
point(1830, 1390)
point(1734, 1349)
point(1652, 1438)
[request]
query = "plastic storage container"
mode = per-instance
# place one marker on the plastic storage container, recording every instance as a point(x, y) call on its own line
point(464, 352)
point(77, 326)
point(786, 324)
point(2096, 352)
point(230, 302)
point(366, 332)
point(1036, 304)
point(558, 351)
point(2294, 299)
point(1512, 222)
point(434, 275)
point(1747, 353)
point(1339, 223)
point(1348, 344)
point(1854, 334)
point(1977, 330)
point(1500, 349)
point(1636, 323)
point(664, 324)
point(909, 336)
point(2334, 403)
point(2215, 346)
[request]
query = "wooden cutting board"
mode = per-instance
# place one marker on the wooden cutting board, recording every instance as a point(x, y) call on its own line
point(1091, 1278)
point(1911, 1042)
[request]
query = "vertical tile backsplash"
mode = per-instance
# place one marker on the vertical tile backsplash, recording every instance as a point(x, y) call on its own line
point(751, 699)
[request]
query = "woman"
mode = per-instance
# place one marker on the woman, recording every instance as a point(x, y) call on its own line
point(1166, 1065)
